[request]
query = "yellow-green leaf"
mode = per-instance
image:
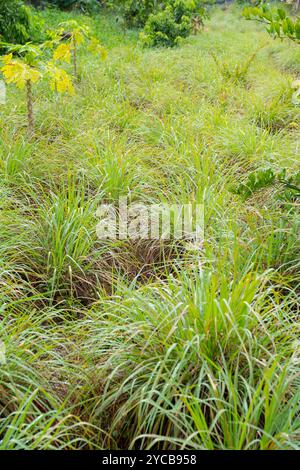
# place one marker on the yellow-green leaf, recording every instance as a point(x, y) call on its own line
point(62, 52)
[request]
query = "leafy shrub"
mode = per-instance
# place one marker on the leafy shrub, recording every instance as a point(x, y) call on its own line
point(162, 29)
point(84, 5)
point(165, 21)
point(136, 12)
point(168, 27)
point(279, 24)
point(17, 23)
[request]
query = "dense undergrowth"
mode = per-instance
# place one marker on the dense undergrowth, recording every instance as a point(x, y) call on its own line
point(148, 345)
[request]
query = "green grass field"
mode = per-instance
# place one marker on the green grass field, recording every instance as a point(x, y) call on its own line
point(139, 345)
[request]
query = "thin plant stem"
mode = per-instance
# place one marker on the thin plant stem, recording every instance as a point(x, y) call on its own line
point(30, 107)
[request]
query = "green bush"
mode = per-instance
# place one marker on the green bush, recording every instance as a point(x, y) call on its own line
point(165, 22)
point(136, 12)
point(17, 23)
point(176, 21)
point(87, 6)
point(161, 29)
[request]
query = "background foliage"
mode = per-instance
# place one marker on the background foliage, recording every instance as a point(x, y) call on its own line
point(17, 22)
point(279, 23)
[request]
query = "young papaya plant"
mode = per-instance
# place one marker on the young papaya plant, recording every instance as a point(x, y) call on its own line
point(74, 35)
point(25, 65)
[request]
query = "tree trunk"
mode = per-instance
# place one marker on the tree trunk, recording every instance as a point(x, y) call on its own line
point(29, 107)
